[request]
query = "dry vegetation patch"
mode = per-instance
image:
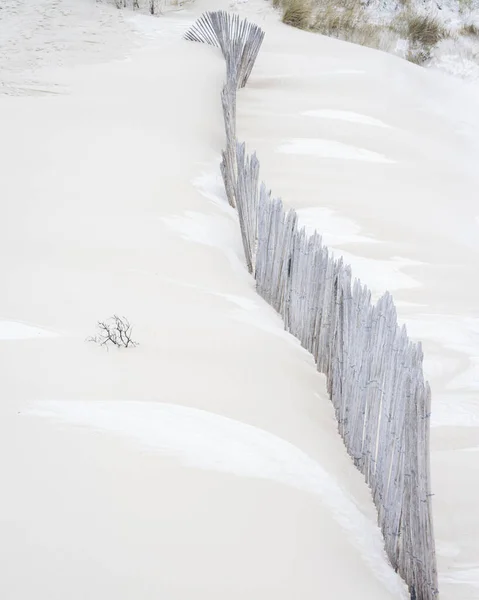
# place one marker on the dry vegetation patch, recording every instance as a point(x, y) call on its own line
point(350, 20)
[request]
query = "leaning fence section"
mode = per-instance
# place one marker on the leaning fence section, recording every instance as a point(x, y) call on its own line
point(373, 371)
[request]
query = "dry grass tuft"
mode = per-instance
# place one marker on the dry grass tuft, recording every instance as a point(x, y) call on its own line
point(343, 19)
point(349, 20)
point(424, 30)
point(297, 13)
point(346, 20)
point(471, 30)
point(335, 19)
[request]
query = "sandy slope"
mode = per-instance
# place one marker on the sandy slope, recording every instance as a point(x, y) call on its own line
point(382, 156)
point(205, 462)
point(111, 204)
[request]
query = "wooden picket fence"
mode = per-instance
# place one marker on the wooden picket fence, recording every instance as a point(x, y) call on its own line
point(374, 372)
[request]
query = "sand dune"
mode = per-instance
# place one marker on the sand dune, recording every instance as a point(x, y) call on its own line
point(205, 462)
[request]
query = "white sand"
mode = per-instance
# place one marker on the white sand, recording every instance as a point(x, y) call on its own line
point(331, 149)
point(335, 230)
point(422, 209)
point(208, 441)
point(11, 330)
point(345, 115)
point(204, 463)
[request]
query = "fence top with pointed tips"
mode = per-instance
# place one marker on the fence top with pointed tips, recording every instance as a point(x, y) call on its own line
point(239, 41)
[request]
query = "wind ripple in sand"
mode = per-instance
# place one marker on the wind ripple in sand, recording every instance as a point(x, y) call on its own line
point(209, 441)
point(314, 73)
point(331, 149)
point(335, 230)
point(345, 115)
point(458, 405)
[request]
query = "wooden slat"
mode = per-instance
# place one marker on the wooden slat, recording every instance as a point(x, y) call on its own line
point(373, 371)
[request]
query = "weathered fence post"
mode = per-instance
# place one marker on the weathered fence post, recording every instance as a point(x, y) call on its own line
point(374, 372)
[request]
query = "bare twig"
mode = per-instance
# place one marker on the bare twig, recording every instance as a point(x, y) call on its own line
point(114, 331)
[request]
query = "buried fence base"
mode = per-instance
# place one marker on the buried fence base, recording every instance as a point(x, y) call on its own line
point(374, 372)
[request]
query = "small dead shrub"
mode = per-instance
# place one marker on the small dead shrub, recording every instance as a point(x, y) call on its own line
point(127, 4)
point(418, 55)
point(115, 331)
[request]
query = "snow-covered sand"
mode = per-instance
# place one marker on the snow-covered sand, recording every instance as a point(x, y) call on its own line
point(205, 462)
